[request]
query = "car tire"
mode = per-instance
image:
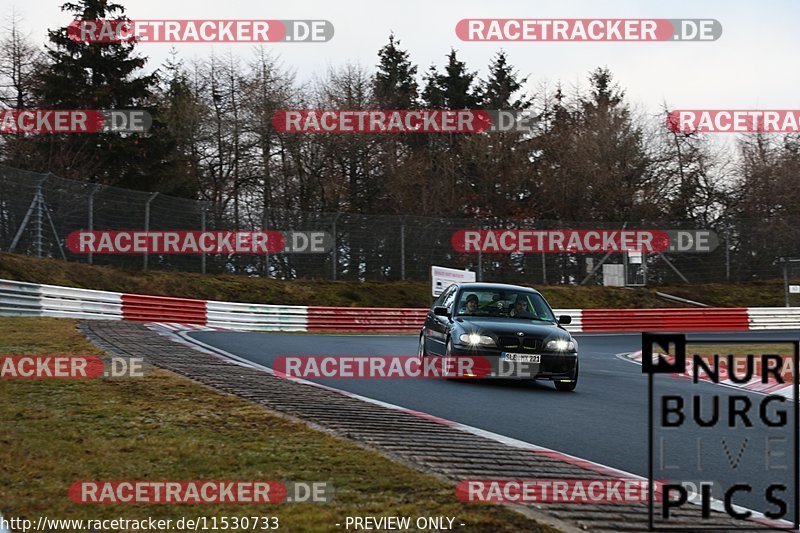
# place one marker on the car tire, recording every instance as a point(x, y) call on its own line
point(421, 354)
point(448, 355)
point(568, 386)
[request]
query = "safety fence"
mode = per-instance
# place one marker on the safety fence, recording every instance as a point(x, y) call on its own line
point(29, 299)
point(39, 211)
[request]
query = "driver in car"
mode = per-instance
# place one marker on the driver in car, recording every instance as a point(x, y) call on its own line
point(471, 306)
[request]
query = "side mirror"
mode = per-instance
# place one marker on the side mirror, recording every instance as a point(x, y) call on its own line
point(565, 319)
point(441, 310)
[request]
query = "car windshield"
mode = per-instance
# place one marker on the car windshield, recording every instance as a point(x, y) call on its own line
point(521, 305)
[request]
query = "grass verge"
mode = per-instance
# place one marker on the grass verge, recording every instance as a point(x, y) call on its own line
point(166, 427)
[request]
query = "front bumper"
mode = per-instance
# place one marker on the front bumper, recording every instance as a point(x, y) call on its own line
point(552, 365)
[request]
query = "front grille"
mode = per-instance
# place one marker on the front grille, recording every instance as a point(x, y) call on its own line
point(521, 343)
point(532, 344)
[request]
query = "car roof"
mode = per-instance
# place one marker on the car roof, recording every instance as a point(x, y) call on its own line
point(495, 286)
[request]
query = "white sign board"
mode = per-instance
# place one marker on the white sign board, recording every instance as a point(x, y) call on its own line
point(794, 289)
point(442, 277)
point(635, 257)
point(613, 275)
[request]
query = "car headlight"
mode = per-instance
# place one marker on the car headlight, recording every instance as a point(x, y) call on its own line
point(475, 339)
point(560, 345)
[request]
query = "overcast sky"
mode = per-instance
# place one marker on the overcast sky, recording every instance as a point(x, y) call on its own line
point(752, 66)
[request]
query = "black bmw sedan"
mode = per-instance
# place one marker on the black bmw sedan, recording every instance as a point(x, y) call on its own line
point(511, 327)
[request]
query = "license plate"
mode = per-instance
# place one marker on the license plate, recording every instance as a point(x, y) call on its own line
point(521, 357)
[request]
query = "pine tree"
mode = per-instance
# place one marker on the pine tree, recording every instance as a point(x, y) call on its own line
point(497, 163)
point(432, 94)
point(454, 89)
point(395, 85)
point(444, 154)
point(394, 88)
point(99, 76)
point(503, 83)
point(94, 75)
point(615, 159)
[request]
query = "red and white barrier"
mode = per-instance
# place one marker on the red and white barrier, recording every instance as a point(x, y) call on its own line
point(773, 317)
point(678, 319)
point(367, 319)
point(162, 308)
point(19, 298)
point(256, 317)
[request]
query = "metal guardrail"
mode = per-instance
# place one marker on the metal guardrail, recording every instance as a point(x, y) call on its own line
point(163, 308)
point(774, 318)
point(69, 302)
point(705, 319)
point(19, 298)
point(29, 299)
point(256, 317)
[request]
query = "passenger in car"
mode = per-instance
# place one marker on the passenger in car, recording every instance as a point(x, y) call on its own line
point(520, 309)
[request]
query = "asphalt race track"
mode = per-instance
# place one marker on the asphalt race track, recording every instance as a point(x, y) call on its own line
point(604, 420)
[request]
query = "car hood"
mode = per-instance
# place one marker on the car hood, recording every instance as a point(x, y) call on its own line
point(501, 326)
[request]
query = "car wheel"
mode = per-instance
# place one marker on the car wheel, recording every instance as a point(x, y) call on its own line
point(568, 386)
point(448, 363)
point(421, 354)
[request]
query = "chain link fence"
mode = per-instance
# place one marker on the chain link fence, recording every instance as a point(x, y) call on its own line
point(38, 211)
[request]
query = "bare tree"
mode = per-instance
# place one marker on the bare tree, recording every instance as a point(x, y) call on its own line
point(19, 60)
